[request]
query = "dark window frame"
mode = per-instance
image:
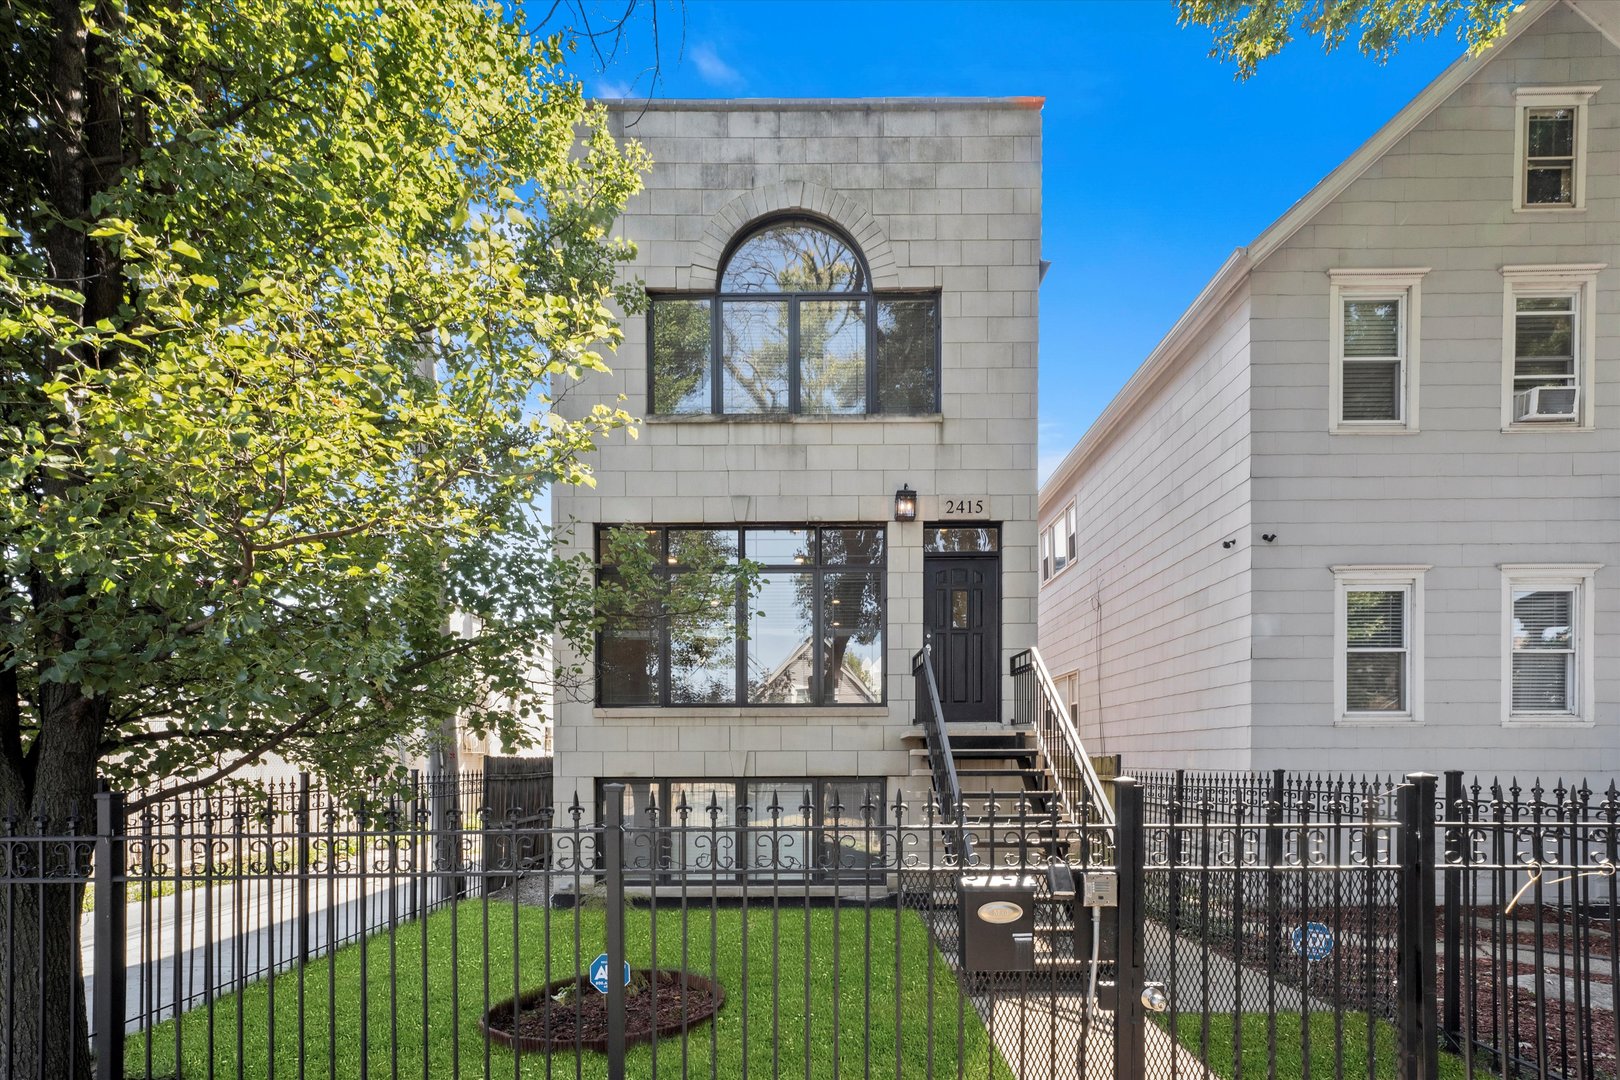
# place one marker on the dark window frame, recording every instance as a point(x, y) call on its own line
point(668, 825)
point(869, 295)
point(816, 568)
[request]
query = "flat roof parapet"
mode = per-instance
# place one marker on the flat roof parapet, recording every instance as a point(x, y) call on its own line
point(897, 104)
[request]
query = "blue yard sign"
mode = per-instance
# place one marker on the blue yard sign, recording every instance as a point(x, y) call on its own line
point(599, 973)
point(1312, 941)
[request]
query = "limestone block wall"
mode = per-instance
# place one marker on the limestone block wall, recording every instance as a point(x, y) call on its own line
point(939, 194)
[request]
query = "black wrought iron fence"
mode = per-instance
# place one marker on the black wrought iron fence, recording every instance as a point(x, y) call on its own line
point(1214, 934)
point(1531, 933)
point(1518, 946)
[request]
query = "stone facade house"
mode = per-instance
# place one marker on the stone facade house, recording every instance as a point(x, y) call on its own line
point(843, 308)
point(1360, 508)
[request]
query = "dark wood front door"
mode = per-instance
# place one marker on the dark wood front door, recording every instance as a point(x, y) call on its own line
point(962, 613)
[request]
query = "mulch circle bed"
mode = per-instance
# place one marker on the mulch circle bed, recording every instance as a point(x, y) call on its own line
point(545, 1024)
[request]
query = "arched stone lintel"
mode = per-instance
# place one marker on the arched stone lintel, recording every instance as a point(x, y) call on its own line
point(785, 197)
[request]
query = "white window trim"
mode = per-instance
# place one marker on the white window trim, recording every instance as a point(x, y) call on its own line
point(1403, 284)
point(1526, 98)
point(1581, 577)
point(1349, 578)
point(1053, 539)
point(1579, 280)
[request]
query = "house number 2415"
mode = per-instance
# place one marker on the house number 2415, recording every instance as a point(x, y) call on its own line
point(955, 507)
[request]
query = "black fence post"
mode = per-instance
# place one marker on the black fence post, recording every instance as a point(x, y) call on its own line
point(613, 865)
point(1451, 1021)
point(1130, 1035)
point(1417, 1023)
point(107, 1012)
point(301, 887)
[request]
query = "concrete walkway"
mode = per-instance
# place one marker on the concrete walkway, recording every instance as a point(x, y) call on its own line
point(197, 945)
point(1047, 1036)
point(1203, 980)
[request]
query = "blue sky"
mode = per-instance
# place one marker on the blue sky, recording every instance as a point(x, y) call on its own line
point(1157, 163)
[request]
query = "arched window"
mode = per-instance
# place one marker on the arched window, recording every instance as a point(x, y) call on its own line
point(794, 328)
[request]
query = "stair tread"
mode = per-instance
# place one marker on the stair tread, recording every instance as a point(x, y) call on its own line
point(994, 752)
point(999, 772)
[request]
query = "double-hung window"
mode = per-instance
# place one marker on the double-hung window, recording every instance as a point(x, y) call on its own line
point(1378, 643)
point(1550, 147)
point(1548, 332)
point(1373, 330)
point(1060, 543)
point(1547, 659)
point(795, 328)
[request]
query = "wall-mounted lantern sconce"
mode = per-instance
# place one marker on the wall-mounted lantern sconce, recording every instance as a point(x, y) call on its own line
point(905, 504)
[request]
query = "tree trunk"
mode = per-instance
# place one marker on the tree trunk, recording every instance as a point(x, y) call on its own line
point(48, 783)
point(41, 992)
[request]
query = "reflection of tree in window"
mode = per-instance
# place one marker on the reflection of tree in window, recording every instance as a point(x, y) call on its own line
point(754, 355)
point(969, 540)
point(832, 356)
point(793, 257)
point(780, 629)
point(702, 617)
point(799, 328)
point(680, 352)
point(907, 348)
point(668, 603)
point(852, 616)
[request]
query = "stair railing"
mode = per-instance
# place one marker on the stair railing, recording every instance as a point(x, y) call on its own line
point(931, 715)
point(1036, 702)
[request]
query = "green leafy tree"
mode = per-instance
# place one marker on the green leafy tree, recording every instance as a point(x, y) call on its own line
point(1250, 31)
point(289, 292)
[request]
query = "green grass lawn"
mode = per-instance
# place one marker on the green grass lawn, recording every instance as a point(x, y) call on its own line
point(1290, 1054)
point(394, 1019)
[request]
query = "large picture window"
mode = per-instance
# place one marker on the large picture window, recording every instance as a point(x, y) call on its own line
point(795, 328)
point(811, 633)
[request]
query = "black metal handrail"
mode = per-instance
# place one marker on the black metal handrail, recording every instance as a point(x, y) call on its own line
point(931, 715)
point(1036, 702)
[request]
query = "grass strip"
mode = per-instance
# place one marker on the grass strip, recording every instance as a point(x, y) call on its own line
point(541, 950)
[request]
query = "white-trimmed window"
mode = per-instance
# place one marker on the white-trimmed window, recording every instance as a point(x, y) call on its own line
point(1378, 643)
point(1550, 147)
point(1547, 643)
point(1373, 331)
point(1060, 544)
point(1548, 329)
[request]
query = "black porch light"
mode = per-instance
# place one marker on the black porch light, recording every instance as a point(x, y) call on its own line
point(905, 504)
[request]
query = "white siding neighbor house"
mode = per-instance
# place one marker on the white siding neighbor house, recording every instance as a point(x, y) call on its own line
point(843, 308)
point(1360, 509)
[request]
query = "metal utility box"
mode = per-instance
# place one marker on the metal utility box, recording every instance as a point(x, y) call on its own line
point(998, 922)
point(1097, 889)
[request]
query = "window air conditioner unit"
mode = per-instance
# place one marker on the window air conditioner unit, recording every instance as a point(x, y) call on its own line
point(1546, 403)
